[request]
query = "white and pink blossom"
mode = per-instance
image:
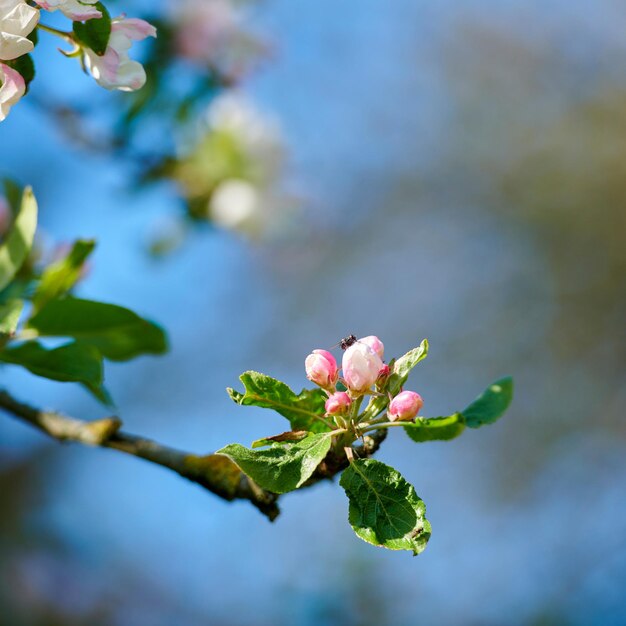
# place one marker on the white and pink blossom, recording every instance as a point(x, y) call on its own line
point(76, 10)
point(12, 88)
point(215, 33)
point(321, 368)
point(361, 367)
point(375, 344)
point(405, 406)
point(17, 21)
point(115, 69)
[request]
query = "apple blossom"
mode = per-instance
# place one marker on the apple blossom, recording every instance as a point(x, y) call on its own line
point(12, 88)
point(405, 406)
point(215, 33)
point(321, 368)
point(361, 367)
point(235, 203)
point(114, 69)
point(17, 21)
point(258, 135)
point(338, 403)
point(384, 373)
point(75, 10)
point(375, 344)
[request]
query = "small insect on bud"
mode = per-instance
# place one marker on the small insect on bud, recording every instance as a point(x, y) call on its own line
point(375, 344)
point(321, 368)
point(361, 366)
point(338, 403)
point(405, 406)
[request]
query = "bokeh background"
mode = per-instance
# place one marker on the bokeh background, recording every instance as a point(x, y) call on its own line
point(461, 168)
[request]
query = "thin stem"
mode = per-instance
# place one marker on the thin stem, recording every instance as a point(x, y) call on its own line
point(64, 34)
point(379, 425)
point(354, 409)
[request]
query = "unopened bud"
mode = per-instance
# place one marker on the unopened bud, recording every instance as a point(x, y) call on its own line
point(321, 368)
point(338, 403)
point(405, 406)
point(384, 373)
point(361, 366)
point(373, 342)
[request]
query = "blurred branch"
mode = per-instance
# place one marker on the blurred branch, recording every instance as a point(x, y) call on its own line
point(215, 472)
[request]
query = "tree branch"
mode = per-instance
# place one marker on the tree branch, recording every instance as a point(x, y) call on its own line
point(215, 472)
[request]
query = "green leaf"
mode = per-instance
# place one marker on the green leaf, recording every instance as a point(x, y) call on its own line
point(287, 437)
point(118, 333)
point(34, 36)
point(59, 277)
point(384, 508)
point(400, 370)
point(436, 428)
point(10, 315)
point(304, 411)
point(95, 33)
point(14, 250)
point(491, 404)
point(408, 361)
point(73, 362)
point(13, 192)
point(281, 467)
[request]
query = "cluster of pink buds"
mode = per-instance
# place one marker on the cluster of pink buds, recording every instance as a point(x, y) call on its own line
point(362, 372)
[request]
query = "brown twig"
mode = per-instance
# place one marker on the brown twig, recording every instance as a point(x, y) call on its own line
point(215, 472)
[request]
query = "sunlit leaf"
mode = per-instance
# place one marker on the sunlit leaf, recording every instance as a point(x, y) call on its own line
point(10, 315)
point(304, 411)
point(407, 362)
point(95, 33)
point(287, 437)
point(117, 332)
point(384, 508)
point(74, 362)
point(281, 467)
point(491, 404)
point(59, 277)
point(15, 248)
point(13, 192)
point(436, 428)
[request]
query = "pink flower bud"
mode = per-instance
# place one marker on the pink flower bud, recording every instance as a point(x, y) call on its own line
point(321, 368)
point(12, 88)
point(405, 406)
point(384, 372)
point(338, 403)
point(361, 366)
point(375, 344)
